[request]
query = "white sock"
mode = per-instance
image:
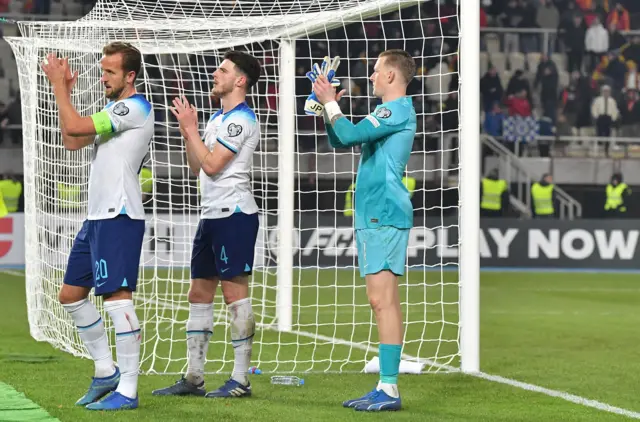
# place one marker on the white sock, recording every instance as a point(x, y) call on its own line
point(199, 331)
point(127, 329)
point(91, 329)
point(243, 327)
point(390, 389)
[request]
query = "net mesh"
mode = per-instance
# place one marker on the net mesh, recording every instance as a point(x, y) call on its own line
point(182, 43)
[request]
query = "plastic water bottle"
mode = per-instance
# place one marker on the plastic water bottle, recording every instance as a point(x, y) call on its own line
point(287, 380)
point(255, 370)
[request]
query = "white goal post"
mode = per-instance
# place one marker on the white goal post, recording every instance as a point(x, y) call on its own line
point(310, 303)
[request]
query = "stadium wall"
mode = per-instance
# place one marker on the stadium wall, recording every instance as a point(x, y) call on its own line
point(328, 241)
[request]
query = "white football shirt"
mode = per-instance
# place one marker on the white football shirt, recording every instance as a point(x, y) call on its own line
point(229, 191)
point(118, 153)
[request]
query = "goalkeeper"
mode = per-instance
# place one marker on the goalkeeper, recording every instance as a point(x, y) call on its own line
point(383, 210)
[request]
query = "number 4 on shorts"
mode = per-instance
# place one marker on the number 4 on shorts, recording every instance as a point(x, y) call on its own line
point(223, 256)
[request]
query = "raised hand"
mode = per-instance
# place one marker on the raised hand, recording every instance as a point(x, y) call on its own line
point(54, 69)
point(325, 92)
point(186, 114)
point(70, 78)
point(326, 70)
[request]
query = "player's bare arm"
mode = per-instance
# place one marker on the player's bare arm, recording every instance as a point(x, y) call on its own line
point(198, 155)
point(78, 131)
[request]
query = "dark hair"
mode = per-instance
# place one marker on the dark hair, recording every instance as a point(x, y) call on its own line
point(248, 65)
point(131, 57)
point(402, 61)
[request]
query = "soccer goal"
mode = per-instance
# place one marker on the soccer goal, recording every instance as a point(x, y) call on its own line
point(309, 300)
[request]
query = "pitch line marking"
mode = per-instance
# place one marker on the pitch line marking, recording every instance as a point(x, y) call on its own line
point(582, 401)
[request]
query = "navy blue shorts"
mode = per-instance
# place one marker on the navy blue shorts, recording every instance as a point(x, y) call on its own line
point(224, 247)
point(106, 255)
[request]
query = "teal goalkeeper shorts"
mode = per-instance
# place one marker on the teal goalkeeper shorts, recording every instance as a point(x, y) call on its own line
point(383, 248)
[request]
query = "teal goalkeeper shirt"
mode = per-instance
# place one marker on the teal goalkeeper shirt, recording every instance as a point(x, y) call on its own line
point(386, 136)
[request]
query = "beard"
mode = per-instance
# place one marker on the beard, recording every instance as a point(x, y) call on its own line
point(219, 91)
point(114, 93)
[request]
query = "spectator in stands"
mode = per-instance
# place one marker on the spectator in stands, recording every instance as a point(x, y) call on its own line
point(493, 120)
point(615, 72)
point(518, 104)
point(596, 43)
point(616, 39)
point(548, 17)
point(619, 17)
point(572, 97)
point(574, 42)
point(630, 114)
point(517, 83)
point(4, 6)
point(528, 42)
point(511, 18)
point(547, 79)
point(491, 88)
point(604, 111)
point(567, 18)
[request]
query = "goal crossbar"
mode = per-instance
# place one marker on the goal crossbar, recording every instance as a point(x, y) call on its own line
point(237, 29)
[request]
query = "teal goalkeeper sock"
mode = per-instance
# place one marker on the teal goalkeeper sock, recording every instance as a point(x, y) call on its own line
point(389, 362)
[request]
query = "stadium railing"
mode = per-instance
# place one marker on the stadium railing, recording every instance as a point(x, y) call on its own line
point(546, 34)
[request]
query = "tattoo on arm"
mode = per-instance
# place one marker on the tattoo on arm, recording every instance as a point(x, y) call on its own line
point(335, 118)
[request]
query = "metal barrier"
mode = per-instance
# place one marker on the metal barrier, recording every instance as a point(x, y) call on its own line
point(516, 174)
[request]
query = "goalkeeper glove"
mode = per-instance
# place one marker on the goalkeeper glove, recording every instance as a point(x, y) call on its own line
point(328, 68)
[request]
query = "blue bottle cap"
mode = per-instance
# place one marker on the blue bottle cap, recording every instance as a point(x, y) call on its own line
point(301, 382)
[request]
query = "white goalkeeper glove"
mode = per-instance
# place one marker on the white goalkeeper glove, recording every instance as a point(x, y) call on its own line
point(328, 68)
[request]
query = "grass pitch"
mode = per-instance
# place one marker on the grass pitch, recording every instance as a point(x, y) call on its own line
point(571, 332)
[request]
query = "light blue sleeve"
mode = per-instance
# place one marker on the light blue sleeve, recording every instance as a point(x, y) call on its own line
point(333, 138)
point(384, 121)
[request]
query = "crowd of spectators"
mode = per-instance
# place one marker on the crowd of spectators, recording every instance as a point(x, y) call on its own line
point(577, 73)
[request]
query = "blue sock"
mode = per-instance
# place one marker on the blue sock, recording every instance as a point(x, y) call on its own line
point(389, 362)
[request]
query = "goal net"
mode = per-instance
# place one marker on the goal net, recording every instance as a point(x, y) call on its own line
point(310, 302)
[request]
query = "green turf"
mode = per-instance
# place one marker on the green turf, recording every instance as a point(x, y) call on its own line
point(571, 332)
